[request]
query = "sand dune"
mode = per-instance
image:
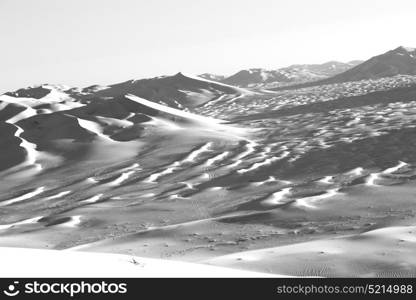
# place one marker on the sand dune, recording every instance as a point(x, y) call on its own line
point(123, 177)
point(194, 154)
point(93, 199)
point(154, 177)
point(372, 179)
point(217, 158)
point(31, 153)
point(255, 166)
point(73, 221)
point(27, 221)
point(177, 91)
point(310, 182)
point(326, 180)
point(58, 195)
point(23, 197)
point(277, 197)
point(93, 127)
point(309, 202)
point(386, 252)
point(204, 122)
point(27, 113)
point(391, 170)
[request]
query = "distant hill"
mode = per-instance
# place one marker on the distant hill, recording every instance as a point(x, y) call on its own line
point(259, 77)
point(401, 60)
point(214, 77)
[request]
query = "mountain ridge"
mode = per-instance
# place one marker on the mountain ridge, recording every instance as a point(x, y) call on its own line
point(398, 61)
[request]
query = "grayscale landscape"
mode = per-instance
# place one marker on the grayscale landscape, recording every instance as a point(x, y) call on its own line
point(305, 170)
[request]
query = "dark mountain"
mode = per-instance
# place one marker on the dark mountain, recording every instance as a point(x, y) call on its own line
point(178, 91)
point(401, 60)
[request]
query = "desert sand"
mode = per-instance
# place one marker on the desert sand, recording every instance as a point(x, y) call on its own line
point(145, 170)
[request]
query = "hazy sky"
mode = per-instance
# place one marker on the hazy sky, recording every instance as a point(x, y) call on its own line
point(81, 42)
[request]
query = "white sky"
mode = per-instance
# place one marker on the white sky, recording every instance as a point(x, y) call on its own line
point(82, 42)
